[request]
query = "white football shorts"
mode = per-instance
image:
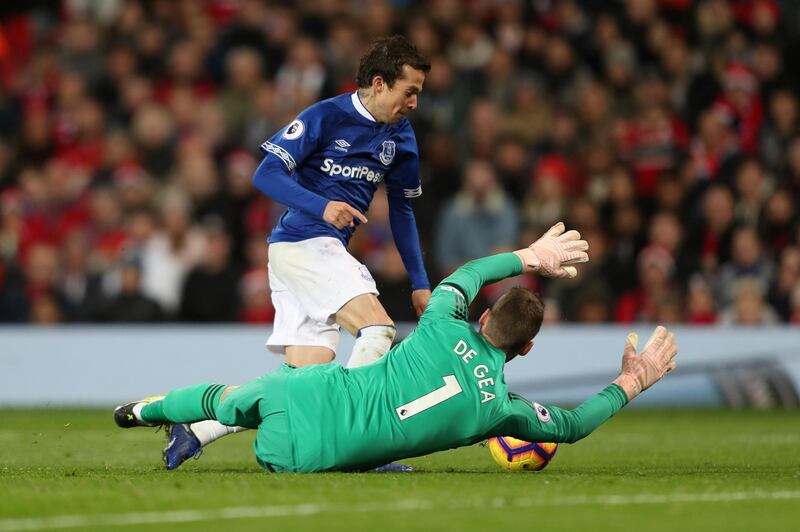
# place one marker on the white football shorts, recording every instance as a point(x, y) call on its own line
point(310, 281)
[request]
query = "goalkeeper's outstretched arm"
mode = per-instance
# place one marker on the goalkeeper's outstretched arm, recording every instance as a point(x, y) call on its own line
point(540, 423)
point(553, 255)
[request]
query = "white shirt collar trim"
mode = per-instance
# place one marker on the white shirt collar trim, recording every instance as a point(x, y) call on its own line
point(360, 107)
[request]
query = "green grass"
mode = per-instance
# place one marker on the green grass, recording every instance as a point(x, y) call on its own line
point(644, 470)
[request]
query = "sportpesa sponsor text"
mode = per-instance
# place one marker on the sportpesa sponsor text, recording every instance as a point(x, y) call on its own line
point(358, 172)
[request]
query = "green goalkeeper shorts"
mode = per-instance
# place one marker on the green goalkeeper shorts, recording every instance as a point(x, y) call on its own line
point(261, 404)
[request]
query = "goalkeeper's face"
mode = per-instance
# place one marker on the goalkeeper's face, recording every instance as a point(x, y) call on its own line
point(397, 101)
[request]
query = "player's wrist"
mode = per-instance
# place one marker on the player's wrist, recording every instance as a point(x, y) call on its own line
point(629, 384)
point(530, 261)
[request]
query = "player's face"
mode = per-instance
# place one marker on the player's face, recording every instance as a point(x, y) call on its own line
point(397, 101)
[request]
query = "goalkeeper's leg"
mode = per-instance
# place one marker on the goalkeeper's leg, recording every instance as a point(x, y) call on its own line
point(183, 405)
point(193, 404)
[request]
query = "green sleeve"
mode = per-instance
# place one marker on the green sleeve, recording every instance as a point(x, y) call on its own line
point(452, 296)
point(543, 423)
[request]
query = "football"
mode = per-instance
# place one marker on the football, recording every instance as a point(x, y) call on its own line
point(518, 455)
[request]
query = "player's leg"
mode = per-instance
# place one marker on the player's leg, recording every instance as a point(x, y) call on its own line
point(183, 405)
point(303, 339)
point(365, 318)
point(332, 287)
point(186, 440)
point(307, 355)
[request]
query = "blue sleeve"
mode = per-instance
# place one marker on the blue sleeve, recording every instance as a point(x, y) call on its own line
point(297, 141)
point(404, 230)
point(284, 152)
point(273, 179)
point(403, 180)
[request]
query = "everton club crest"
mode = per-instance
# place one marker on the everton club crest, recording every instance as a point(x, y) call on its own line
point(387, 152)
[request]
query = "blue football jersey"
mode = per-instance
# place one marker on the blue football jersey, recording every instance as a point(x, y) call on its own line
point(338, 150)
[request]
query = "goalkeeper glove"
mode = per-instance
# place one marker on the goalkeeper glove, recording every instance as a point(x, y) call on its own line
point(640, 371)
point(555, 252)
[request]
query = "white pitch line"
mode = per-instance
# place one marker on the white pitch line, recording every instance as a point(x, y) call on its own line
point(301, 510)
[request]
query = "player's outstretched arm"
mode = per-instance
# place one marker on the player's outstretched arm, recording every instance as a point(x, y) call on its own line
point(534, 422)
point(550, 256)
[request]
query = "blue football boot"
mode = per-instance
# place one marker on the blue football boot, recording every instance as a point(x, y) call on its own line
point(182, 444)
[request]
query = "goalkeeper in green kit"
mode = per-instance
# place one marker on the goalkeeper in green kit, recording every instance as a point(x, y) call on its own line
point(442, 387)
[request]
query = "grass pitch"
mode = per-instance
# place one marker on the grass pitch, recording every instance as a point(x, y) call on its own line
point(643, 470)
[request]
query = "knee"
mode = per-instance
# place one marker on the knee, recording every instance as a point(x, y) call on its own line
point(362, 311)
point(227, 391)
point(226, 409)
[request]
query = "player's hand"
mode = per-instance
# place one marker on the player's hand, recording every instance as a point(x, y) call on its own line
point(342, 215)
point(642, 370)
point(555, 252)
point(419, 299)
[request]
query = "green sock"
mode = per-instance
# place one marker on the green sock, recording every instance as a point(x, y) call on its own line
point(185, 405)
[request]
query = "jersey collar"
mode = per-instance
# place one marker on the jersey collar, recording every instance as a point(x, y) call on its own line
point(360, 107)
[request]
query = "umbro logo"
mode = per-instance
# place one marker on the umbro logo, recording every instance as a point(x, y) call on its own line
point(341, 145)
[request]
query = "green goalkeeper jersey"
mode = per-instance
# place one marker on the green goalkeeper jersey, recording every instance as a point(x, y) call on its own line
point(442, 387)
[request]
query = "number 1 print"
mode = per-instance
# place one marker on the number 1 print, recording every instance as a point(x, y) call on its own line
point(450, 389)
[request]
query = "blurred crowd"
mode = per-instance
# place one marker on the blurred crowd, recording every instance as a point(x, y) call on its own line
point(666, 131)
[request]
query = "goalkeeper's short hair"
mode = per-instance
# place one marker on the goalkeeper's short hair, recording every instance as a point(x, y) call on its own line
point(516, 318)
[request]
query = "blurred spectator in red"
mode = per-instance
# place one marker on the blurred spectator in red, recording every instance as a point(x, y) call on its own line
point(546, 201)
point(653, 142)
point(713, 146)
point(656, 268)
point(740, 106)
point(710, 239)
point(666, 232)
point(41, 280)
point(700, 302)
point(108, 236)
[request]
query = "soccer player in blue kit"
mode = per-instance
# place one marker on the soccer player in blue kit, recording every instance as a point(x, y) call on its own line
point(325, 167)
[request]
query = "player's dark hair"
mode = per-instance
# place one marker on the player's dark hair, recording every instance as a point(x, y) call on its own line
point(516, 318)
point(386, 57)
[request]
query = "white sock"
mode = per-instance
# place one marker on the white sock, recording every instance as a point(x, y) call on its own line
point(211, 430)
point(137, 411)
point(137, 408)
point(372, 342)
